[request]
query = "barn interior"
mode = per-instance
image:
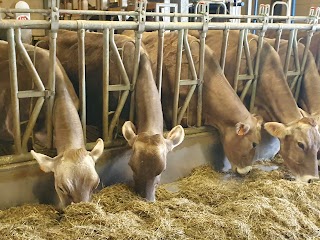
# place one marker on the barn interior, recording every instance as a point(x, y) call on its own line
point(198, 179)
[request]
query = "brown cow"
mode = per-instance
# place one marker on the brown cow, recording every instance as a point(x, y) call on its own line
point(309, 97)
point(299, 137)
point(74, 167)
point(239, 130)
point(302, 38)
point(149, 147)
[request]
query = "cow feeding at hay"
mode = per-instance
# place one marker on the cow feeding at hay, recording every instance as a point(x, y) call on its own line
point(205, 205)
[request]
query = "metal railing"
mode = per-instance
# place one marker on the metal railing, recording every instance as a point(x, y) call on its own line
point(140, 25)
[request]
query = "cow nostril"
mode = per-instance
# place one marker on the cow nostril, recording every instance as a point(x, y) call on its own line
point(310, 181)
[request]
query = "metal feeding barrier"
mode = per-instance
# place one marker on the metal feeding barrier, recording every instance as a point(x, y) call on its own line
point(52, 24)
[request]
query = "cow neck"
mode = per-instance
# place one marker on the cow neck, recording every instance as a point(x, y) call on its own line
point(273, 90)
point(66, 121)
point(148, 106)
point(222, 106)
point(310, 89)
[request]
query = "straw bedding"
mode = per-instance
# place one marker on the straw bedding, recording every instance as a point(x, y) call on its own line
point(205, 205)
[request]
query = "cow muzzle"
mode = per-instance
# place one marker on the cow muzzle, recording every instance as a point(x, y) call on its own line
point(243, 171)
point(307, 179)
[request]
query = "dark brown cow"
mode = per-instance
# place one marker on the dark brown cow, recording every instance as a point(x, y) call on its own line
point(239, 130)
point(149, 147)
point(299, 137)
point(74, 167)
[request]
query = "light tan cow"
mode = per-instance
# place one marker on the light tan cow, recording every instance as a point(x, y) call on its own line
point(74, 167)
point(299, 137)
point(239, 130)
point(149, 147)
point(309, 97)
point(302, 38)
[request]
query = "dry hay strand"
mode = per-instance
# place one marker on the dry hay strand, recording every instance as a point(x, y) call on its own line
point(28, 222)
point(205, 205)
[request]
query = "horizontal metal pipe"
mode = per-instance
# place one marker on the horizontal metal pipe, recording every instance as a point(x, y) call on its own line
point(100, 25)
point(31, 93)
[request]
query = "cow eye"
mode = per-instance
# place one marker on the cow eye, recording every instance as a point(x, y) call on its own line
point(300, 144)
point(254, 145)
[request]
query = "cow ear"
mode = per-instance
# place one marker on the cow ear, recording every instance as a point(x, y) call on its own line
point(47, 164)
point(276, 129)
point(129, 132)
point(97, 150)
point(175, 137)
point(242, 128)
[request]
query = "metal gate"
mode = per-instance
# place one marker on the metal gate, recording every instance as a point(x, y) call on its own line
point(53, 23)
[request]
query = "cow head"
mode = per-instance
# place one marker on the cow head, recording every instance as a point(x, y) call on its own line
point(149, 156)
point(74, 171)
point(240, 142)
point(299, 146)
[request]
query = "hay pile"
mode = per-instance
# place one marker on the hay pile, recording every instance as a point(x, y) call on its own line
point(205, 205)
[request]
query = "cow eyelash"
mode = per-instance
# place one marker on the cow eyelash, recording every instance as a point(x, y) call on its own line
point(301, 145)
point(61, 189)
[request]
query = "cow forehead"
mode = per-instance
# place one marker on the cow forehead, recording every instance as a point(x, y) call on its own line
point(75, 174)
point(306, 133)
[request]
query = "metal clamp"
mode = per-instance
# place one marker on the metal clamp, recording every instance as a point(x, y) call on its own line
point(314, 14)
point(204, 9)
point(54, 15)
point(48, 93)
point(141, 8)
point(264, 10)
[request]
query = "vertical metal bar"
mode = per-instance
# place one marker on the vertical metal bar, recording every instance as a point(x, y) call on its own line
point(288, 55)
point(277, 41)
point(14, 91)
point(303, 63)
point(201, 75)
point(177, 78)
point(194, 77)
point(82, 79)
point(51, 85)
point(256, 71)
point(247, 53)
point(105, 85)
point(125, 93)
point(292, 6)
point(135, 74)
point(160, 60)
point(238, 60)
point(224, 48)
point(297, 68)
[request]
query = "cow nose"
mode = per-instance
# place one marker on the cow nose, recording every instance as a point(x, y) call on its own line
point(244, 171)
point(307, 178)
point(311, 180)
